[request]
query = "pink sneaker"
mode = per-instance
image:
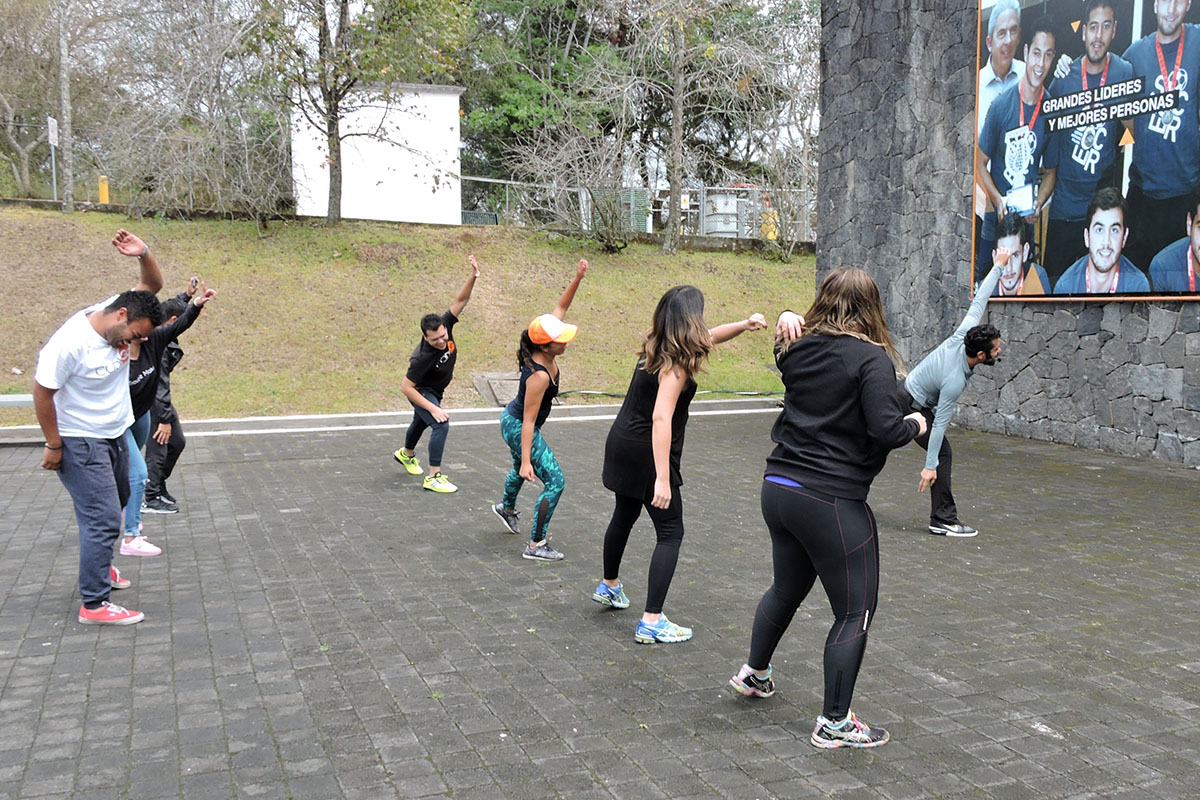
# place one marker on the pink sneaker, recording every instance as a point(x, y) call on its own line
point(109, 614)
point(138, 546)
point(116, 581)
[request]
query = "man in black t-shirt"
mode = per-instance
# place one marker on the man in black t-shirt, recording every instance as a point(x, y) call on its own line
point(430, 370)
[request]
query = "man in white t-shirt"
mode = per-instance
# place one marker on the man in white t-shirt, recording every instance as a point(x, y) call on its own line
point(81, 396)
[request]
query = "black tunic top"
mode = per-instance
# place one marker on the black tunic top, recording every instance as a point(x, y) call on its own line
point(629, 449)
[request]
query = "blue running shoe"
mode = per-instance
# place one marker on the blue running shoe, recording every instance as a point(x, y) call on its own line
point(608, 596)
point(663, 631)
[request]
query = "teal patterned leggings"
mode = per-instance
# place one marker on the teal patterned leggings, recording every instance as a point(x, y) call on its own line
point(545, 467)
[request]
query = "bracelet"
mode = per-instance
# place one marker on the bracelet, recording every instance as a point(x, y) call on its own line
point(48, 447)
point(145, 251)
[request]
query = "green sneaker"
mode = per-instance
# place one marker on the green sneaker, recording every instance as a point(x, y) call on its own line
point(439, 483)
point(410, 463)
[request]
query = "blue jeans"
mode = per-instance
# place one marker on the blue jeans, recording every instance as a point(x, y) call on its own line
point(421, 420)
point(96, 474)
point(135, 439)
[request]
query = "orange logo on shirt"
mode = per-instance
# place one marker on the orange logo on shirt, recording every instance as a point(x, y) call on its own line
point(450, 345)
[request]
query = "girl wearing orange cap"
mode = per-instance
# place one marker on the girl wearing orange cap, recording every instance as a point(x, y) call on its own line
point(520, 424)
point(641, 454)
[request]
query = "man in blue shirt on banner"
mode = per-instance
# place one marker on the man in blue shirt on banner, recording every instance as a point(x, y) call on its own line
point(1015, 140)
point(1174, 268)
point(1166, 149)
point(1104, 270)
point(1086, 154)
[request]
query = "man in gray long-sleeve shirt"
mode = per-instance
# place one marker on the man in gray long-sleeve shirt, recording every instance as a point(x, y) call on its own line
point(933, 388)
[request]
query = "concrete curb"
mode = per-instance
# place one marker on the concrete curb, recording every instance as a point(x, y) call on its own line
point(31, 435)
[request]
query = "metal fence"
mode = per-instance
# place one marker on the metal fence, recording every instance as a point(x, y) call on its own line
point(741, 211)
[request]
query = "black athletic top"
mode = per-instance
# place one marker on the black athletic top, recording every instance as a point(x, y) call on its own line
point(144, 370)
point(629, 449)
point(841, 416)
point(433, 369)
point(517, 406)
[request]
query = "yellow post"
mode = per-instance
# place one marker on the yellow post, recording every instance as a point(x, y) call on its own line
point(104, 189)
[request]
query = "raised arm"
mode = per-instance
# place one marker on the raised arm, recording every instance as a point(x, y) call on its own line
point(723, 333)
point(151, 277)
point(986, 287)
point(568, 294)
point(464, 294)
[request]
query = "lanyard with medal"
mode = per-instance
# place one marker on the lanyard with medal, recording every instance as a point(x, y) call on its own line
point(1104, 75)
point(1171, 79)
point(1087, 279)
point(1191, 269)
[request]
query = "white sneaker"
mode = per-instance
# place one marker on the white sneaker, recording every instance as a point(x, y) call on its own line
point(138, 546)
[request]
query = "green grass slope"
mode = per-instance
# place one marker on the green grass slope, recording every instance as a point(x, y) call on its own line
point(313, 320)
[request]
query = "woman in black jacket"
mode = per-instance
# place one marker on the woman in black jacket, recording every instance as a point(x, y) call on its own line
point(840, 418)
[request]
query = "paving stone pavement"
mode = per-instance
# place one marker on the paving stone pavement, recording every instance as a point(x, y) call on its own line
point(320, 627)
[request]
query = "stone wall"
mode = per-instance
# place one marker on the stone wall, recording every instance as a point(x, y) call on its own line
point(897, 141)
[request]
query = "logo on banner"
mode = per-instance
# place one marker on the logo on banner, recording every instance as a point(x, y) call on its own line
point(1088, 145)
point(1019, 146)
point(1168, 122)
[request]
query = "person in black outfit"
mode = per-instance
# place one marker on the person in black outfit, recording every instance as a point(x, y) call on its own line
point(840, 419)
point(645, 442)
point(145, 360)
point(166, 442)
point(430, 370)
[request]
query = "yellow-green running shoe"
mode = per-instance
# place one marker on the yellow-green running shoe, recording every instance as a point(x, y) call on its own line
point(410, 463)
point(439, 483)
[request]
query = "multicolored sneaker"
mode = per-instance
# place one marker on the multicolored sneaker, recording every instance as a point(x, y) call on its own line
point(116, 581)
point(663, 631)
point(439, 483)
point(509, 518)
point(109, 614)
point(749, 684)
point(608, 596)
point(541, 551)
point(849, 732)
point(410, 463)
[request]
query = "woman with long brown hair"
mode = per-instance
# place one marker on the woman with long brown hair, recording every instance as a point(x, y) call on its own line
point(644, 445)
point(841, 417)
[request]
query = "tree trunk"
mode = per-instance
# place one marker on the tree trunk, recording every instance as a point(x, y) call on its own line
point(64, 123)
point(675, 163)
point(333, 140)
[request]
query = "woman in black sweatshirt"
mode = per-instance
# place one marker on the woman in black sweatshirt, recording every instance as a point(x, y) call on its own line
point(840, 419)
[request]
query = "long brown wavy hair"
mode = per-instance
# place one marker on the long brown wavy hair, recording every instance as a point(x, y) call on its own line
point(678, 337)
point(848, 304)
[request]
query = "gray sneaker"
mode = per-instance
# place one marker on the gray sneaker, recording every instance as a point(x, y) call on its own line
point(541, 551)
point(952, 529)
point(509, 518)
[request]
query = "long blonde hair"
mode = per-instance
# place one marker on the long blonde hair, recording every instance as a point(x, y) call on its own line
point(678, 337)
point(848, 304)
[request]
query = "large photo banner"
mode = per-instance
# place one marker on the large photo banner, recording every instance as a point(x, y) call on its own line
point(1087, 159)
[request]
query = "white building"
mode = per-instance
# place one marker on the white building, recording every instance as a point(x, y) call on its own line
point(401, 164)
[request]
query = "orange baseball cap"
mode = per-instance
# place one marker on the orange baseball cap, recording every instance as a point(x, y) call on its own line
point(549, 328)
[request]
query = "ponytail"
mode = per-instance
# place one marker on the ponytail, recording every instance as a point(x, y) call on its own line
point(525, 351)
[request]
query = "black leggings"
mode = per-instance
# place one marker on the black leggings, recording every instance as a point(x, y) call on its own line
point(817, 535)
point(668, 527)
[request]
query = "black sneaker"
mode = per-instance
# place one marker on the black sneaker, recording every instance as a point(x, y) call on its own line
point(952, 529)
point(159, 505)
point(850, 732)
point(509, 518)
point(165, 495)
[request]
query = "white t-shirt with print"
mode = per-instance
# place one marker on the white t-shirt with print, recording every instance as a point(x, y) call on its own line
point(91, 378)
